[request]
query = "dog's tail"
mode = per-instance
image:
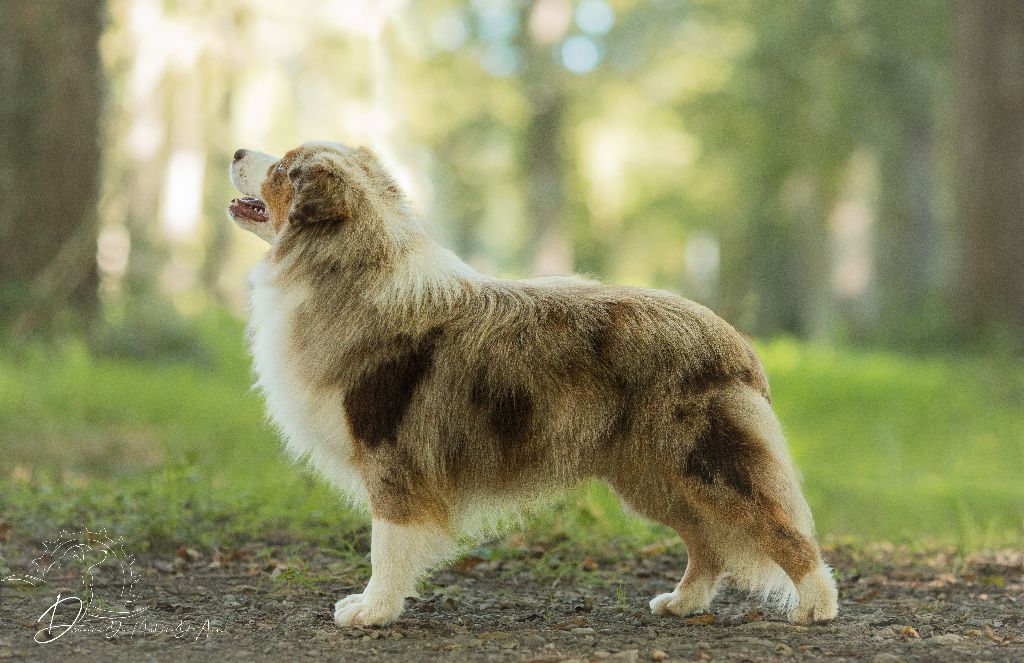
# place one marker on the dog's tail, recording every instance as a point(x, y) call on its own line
point(747, 561)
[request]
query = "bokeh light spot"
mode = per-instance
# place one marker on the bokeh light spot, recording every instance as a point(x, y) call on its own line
point(595, 16)
point(580, 54)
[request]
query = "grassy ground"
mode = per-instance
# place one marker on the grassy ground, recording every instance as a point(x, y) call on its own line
point(926, 451)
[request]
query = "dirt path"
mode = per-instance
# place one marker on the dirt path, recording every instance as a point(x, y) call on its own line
point(533, 606)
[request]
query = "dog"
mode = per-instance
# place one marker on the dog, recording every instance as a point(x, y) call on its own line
point(439, 396)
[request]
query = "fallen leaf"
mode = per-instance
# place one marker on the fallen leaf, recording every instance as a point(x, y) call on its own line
point(468, 563)
point(909, 632)
point(992, 635)
point(658, 655)
point(753, 616)
point(589, 564)
point(702, 619)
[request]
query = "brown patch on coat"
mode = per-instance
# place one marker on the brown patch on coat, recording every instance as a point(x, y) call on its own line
point(277, 190)
point(723, 454)
point(795, 552)
point(319, 197)
point(509, 409)
point(376, 405)
point(400, 492)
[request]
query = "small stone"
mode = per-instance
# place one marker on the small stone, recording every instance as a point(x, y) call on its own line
point(658, 655)
point(534, 641)
point(886, 658)
point(946, 639)
point(585, 630)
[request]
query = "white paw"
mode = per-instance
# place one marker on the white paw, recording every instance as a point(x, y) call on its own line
point(358, 610)
point(351, 598)
point(818, 598)
point(677, 603)
point(822, 609)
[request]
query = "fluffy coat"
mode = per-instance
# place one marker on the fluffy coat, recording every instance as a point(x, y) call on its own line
point(439, 396)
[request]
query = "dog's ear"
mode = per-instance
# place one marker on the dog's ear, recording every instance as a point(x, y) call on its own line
point(318, 196)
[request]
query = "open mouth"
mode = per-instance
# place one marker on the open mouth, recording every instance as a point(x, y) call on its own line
point(249, 208)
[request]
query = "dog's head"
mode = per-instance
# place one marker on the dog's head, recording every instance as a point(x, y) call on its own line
point(315, 185)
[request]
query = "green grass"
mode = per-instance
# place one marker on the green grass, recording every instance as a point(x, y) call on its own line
point(905, 449)
point(924, 451)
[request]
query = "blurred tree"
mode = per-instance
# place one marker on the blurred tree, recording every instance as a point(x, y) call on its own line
point(821, 86)
point(785, 117)
point(637, 141)
point(51, 77)
point(904, 67)
point(549, 76)
point(990, 73)
point(544, 145)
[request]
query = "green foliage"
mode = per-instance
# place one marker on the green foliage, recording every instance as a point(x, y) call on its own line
point(149, 328)
point(922, 450)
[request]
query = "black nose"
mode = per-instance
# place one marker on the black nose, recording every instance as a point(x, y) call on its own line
point(239, 154)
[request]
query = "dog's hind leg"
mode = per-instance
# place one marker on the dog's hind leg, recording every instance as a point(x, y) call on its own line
point(650, 491)
point(739, 477)
point(704, 568)
point(732, 494)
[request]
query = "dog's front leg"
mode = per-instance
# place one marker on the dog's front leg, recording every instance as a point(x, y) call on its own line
point(400, 555)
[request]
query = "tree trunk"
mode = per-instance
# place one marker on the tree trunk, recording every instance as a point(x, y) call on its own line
point(51, 75)
point(909, 237)
point(990, 53)
point(548, 246)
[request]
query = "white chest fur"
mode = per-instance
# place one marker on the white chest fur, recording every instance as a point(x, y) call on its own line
point(311, 422)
